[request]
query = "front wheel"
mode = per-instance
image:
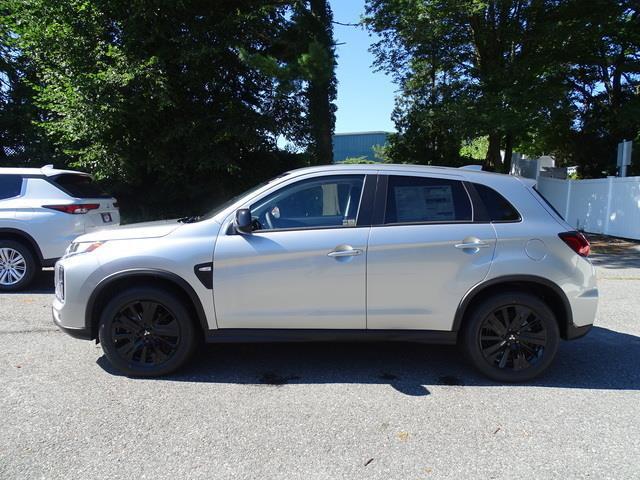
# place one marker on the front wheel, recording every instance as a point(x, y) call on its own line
point(17, 266)
point(146, 332)
point(511, 337)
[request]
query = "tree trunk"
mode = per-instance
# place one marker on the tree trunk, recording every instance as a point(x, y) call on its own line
point(322, 87)
point(508, 152)
point(492, 160)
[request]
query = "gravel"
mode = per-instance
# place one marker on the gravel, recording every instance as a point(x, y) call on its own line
point(385, 411)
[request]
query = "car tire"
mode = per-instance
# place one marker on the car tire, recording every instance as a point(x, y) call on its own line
point(511, 337)
point(146, 332)
point(22, 262)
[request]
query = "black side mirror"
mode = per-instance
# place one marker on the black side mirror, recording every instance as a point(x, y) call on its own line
point(243, 222)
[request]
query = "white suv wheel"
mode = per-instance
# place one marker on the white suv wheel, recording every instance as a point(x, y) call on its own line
point(12, 266)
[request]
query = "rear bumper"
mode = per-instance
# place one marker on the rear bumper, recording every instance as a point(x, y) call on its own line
point(574, 332)
point(81, 333)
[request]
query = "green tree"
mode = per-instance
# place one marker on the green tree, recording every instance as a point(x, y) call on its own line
point(158, 97)
point(22, 143)
point(541, 75)
point(303, 59)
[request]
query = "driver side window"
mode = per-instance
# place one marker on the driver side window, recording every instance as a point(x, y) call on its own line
point(331, 201)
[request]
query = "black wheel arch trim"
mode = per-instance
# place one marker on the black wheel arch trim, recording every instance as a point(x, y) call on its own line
point(91, 322)
point(477, 289)
point(26, 237)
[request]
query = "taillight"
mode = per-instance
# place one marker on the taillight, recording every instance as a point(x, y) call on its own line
point(74, 209)
point(577, 242)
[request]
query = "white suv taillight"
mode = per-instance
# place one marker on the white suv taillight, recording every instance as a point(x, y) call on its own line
point(75, 209)
point(59, 282)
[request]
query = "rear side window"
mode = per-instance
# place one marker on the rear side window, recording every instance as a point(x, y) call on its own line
point(498, 207)
point(10, 186)
point(79, 186)
point(421, 199)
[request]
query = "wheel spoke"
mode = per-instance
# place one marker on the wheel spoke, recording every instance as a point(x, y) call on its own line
point(168, 330)
point(129, 349)
point(496, 325)
point(505, 358)
point(520, 362)
point(124, 336)
point(127, 323)
point(148, 313)
point(520, 317)
point(533, 338)
point(493, 348)
point(158, 355)
point(143, 354)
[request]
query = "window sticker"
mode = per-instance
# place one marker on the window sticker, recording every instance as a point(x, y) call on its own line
point(424, 203)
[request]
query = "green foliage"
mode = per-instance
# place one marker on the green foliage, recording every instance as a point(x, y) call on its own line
point(358, 160)
point(21, 142)
point(381, 153)
point(540, 76)
point(174, 105)
point(475, 149)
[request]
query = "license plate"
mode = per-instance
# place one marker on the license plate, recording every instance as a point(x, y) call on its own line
point(106, 217)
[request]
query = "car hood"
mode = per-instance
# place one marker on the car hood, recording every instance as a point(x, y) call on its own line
point(133, 231)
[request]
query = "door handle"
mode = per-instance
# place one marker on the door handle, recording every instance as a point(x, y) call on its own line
point(472, 245)
point(344, 251)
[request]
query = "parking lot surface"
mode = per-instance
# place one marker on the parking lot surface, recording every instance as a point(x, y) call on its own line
point(325, 411)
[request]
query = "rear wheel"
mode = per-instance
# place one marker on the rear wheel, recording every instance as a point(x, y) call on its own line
point(511, 337)
point(146, 331)
point(17, 265)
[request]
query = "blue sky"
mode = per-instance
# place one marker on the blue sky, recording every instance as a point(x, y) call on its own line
point(365, 98)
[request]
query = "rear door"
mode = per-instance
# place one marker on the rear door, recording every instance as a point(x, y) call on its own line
point(424, 253)
point(102, 208)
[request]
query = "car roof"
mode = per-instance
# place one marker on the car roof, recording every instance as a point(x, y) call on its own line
point(468, 174)
point(47, 170)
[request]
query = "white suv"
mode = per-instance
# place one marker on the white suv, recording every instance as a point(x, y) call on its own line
point(41, 211)
point(342, 252)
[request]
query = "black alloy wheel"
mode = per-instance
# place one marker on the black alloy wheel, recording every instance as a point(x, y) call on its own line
point(147, 331)
point(511, 337)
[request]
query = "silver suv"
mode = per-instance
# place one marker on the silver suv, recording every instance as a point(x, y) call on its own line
point(342, 252)
point(41, 211)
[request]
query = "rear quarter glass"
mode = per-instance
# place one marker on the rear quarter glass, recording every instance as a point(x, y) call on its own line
point(79, 186)
point(10, 186)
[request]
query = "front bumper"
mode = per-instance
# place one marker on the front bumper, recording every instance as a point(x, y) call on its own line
point(81, 333)
point(77, 274)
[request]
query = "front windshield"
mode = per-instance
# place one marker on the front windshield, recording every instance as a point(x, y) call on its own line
point(228, 203)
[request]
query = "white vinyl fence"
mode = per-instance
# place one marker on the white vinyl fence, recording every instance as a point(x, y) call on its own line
point(610, 206)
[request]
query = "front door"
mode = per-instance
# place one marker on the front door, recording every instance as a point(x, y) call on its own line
point(303, 266)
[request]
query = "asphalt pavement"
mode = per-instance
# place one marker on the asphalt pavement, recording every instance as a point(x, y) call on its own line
point(320, 411)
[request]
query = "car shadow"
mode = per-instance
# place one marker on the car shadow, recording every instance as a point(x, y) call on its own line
point(616, 260)
point(604, 359)
point(41, 284)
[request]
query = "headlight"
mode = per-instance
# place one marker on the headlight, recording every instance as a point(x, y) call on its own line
point(77, 248)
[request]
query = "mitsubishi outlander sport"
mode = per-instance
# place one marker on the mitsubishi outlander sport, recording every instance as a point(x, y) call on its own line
point(341, 252)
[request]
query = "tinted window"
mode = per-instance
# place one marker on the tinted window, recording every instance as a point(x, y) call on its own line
point(10, 186)
point(317, 202)
point(80, 186)
point(498, 208)
point(420, 199)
